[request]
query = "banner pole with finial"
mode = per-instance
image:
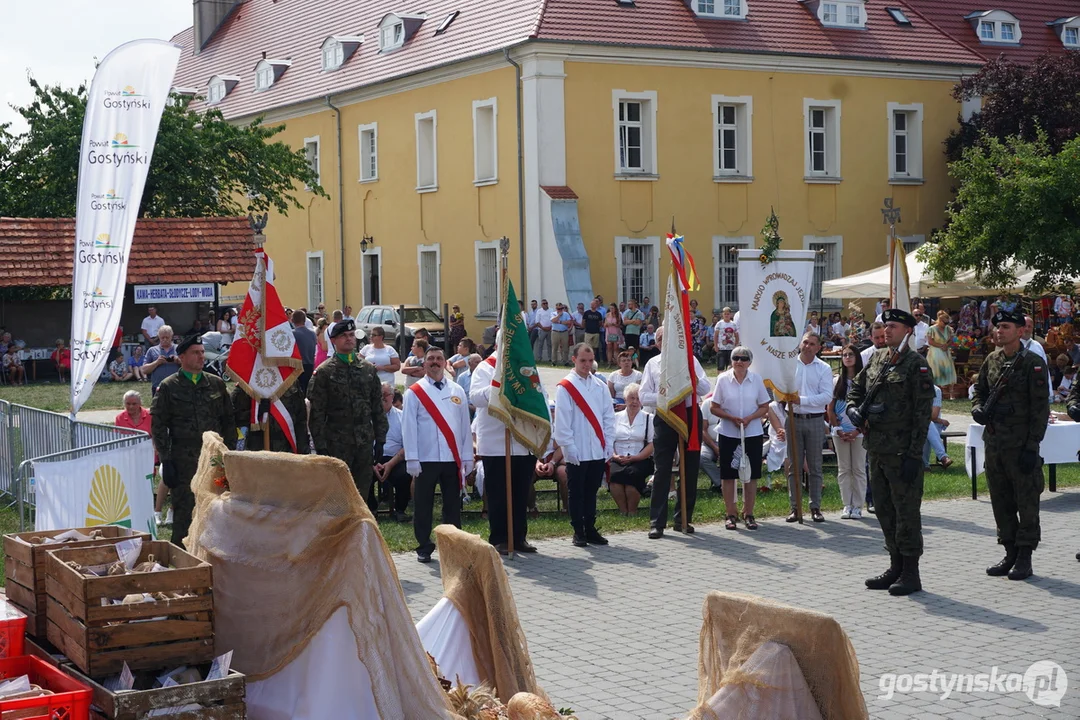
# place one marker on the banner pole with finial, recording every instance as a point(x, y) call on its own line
point(258, 224)
point(504, 251)
point(689, 423)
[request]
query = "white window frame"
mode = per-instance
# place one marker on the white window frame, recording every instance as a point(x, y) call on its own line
point(832, 141)
point(333, 54)
point(215, 91)
point(264, 76)
point(493, 177)
point(914, 174)
point(1074, 27)
point(318, 157)
point(365, 290)
point(813, 303)
point(391, 34)
point(361, 130)
point(434, 185)
point(841, 9)
point(719, 10)
point(995, 19)
point(718, 242)
point(649, 170)
point(420, 250)
point(830, 7)
point(313, 301)
point(744, 138)
point(620, 243)
point(479, 245)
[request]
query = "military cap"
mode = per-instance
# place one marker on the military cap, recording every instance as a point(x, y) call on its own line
point(342, 327)
point(183, 346)
point(1014, 316)
point(897, 315)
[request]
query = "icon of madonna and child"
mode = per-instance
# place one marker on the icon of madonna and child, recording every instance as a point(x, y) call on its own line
point(780, 323)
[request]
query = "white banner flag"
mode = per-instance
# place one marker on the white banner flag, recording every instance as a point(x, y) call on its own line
point(123, 111)
point(107, 488)
point(773, 302)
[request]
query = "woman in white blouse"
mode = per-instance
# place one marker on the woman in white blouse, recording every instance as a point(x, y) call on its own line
point(382, 356)
point(618, 381)
point(740, 400)
point(632, 462)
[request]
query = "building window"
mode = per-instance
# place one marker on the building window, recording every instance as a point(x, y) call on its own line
point(998, 26)
point(986, 30)
point(1008, 31)
point(391, 36)
point(726, 277)
point(487, 278)
point(427, 168)
point(635, 133)
point(706, 7)
point(333, 55)
point(828, 13)
point(853, 15)
point(733, 8)
point(842, 14)
point(720, 8)
point(428, 262)
point(905, 143)
point(264, 76)
point(822, 119)
point(485, 141)
point(369, 152)
point(638, 267)
point(315, 279)
point(732, 147)
point(215, 92)
point(1072, 36)
point(827, 263)
point(311, 151)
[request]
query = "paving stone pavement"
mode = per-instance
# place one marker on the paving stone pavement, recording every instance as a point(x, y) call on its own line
point(613, 631)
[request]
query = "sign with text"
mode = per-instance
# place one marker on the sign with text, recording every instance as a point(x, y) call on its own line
point(123, 111)
point(183, 292)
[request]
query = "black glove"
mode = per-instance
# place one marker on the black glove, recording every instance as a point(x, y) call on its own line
point(979, 415)
point(169, 474)
point(1074, 412)
point(1029, 460)
point(855, 417)
point(909, 468)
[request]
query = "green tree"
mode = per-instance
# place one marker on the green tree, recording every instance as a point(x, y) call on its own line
point(1018, 204)
point(203, 166)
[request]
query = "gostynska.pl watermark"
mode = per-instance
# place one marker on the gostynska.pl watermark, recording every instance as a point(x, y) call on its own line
point(1044, 683)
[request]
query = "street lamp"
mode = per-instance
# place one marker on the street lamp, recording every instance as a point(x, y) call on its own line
point(366, 242)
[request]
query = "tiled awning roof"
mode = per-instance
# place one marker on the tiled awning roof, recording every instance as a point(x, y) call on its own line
point(38, 251)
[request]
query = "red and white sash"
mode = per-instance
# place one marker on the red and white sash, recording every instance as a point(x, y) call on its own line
point(587, 411)
point(440, 422)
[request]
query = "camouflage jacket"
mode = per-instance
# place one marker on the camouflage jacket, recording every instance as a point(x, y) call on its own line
point(1023, 406)
point(346, 406)
point(183, 410)
point(899, 416)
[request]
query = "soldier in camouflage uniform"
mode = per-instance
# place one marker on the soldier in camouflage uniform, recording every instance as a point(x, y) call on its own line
point(1015, 427)
point(1072, 406)
point(894, 431)
point(293, 400)
point(347, 420)
point(187, 404)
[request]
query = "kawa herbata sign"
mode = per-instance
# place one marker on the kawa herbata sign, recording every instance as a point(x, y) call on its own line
point(123, 111)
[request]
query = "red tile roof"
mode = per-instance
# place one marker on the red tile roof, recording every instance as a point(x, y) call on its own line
point(559, 192)
point(296, 30)
point(35, 251)
point(1036, 38)
point(772, 26)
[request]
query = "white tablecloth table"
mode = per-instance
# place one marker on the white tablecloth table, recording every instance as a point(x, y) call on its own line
point(1059, 447)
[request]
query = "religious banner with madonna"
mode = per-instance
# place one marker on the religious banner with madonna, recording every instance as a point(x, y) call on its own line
point(773, 300)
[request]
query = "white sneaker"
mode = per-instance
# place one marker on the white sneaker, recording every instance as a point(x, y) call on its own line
point(846, 515)
point(159, 518)
point(168, 517)
point(856, 513)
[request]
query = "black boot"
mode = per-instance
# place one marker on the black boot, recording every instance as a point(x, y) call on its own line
point(1022, 569)
point(1006, 563)
point(909, 578)
point(887, 578)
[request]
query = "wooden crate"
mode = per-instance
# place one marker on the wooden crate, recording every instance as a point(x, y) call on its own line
point(99, 639)
point(221, 699)
point(25, 568)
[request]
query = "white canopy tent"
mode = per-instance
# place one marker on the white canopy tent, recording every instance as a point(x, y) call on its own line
point(875, 283)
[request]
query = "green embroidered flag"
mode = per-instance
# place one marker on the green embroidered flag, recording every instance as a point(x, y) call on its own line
point(515, 396)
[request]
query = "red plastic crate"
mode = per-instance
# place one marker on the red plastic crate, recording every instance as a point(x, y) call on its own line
point(12, 630)
point(72, 698)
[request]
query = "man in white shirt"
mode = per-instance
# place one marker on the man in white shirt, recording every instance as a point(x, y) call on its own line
point(921, 328)
point(491, 447)
point(814, 380)
point(347, 314)
point(585, 430)
point(389, 468)
point(438, 447)
point(150, 326)
point(877, 337)
point(542, 344)
point(579, 324)
point(666, 442)
point(530, 321)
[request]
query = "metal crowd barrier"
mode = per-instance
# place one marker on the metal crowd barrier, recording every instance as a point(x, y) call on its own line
point(29, 435)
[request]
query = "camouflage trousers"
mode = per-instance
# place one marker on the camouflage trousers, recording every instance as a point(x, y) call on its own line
point(183, 500)
point(898, 504)
point(1014, 496)
point(359, 460)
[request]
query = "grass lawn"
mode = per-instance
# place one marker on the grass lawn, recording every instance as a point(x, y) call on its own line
point(56, 396)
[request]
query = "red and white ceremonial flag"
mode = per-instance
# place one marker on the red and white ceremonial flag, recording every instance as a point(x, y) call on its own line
point(264, 358)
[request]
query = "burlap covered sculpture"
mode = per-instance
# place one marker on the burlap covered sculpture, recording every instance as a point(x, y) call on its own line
point(291, 542)
point(475, 581)
point(736, 625)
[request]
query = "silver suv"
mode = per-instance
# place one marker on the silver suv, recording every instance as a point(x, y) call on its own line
point(386, 317)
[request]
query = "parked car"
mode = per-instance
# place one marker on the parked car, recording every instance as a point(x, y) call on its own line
point(386, 317)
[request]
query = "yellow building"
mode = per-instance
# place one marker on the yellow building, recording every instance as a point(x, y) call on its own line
point(580, 129)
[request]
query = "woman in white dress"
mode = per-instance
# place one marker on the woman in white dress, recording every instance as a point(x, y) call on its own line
point(382, 356)
point(632, 462)
point(227, 327)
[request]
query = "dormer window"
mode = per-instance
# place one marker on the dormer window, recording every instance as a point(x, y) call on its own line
point(219, 87)
point(1071, 38)
point(392, 36)
point(336, 49)
point(1068, 30)
point(995, 26)
point(734, 9)
point(395, 29)
point(839, 13)
point(267, 73)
